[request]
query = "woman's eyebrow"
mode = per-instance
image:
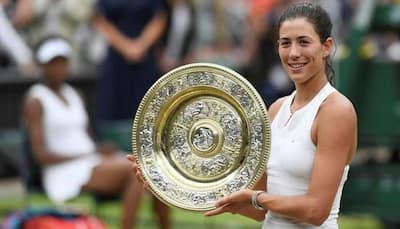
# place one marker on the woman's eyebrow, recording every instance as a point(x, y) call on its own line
point(303, 37)
point(283, 38)
point(298, 38)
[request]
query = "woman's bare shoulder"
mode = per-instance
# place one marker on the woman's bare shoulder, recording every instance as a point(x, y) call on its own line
point(337, 119)
point(338, 104)
point(274, 108)
point(31, 106)
point(337, 110)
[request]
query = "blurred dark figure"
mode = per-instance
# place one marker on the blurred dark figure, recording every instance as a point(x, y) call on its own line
point(132, 28)
point(57, 128)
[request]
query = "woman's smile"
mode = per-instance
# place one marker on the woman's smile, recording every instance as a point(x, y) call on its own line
point(296, 67)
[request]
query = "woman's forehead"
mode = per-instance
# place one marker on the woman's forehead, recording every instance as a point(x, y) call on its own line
point(297, 27)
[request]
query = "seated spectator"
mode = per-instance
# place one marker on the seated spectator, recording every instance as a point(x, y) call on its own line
point(57, 124)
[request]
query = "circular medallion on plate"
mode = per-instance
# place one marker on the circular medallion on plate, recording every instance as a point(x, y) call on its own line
point(201, 132)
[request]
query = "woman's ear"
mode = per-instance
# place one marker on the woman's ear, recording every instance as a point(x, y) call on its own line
point(327, 47)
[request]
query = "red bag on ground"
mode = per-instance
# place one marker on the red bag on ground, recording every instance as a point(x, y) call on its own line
point(51, 222)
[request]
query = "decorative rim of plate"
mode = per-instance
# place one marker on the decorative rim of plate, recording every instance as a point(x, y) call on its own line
point(204, 159)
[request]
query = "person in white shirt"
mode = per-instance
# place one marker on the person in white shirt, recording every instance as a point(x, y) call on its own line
point(57, 127)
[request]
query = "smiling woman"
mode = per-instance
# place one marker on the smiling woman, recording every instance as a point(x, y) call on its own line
point(301, 40)
point(302, 54)
point(313, 133)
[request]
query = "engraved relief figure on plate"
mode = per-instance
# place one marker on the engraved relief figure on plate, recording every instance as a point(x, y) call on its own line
point(214, 167)
point(158, 179)
point(146, 143)
point(203, 138)
point(201, 78)
point(196, 109)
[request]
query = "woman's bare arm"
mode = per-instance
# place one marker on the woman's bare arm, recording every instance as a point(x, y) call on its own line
point(334, 134)
point(23, 14)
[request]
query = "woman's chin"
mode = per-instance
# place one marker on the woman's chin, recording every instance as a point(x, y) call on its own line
point(297, 77)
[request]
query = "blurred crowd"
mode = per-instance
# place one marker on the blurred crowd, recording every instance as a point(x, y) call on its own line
point(235, 33)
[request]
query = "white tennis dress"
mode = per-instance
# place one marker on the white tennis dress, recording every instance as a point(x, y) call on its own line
point(291, 159)
point(65, 133)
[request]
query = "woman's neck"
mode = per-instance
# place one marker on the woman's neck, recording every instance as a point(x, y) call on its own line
point(54, 87)
point(306, 91)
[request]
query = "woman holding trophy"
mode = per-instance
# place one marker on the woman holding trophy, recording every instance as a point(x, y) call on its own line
point(313, 137)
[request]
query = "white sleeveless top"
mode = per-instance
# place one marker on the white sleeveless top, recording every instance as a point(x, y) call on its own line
point(65, 133)
point(291, 159)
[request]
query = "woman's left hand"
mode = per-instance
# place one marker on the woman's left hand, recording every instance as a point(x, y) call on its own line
point(238, 202)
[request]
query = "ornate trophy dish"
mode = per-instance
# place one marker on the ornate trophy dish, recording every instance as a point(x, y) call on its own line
point(201, 133)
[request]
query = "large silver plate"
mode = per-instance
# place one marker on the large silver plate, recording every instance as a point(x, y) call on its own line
point(201, 133)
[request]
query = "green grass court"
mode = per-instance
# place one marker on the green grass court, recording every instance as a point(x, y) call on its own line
point(109, 213)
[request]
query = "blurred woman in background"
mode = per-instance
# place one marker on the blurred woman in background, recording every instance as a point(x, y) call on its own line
point(57, 126)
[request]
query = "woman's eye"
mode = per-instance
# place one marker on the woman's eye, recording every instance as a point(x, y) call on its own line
point(303, 43)
point(284, 44)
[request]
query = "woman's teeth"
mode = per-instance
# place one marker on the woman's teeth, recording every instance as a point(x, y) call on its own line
point(296, 65)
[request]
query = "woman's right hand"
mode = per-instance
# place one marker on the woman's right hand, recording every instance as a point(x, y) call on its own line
point(136, 170)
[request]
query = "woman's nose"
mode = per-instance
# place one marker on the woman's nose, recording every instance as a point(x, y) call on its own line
point(294, 51)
